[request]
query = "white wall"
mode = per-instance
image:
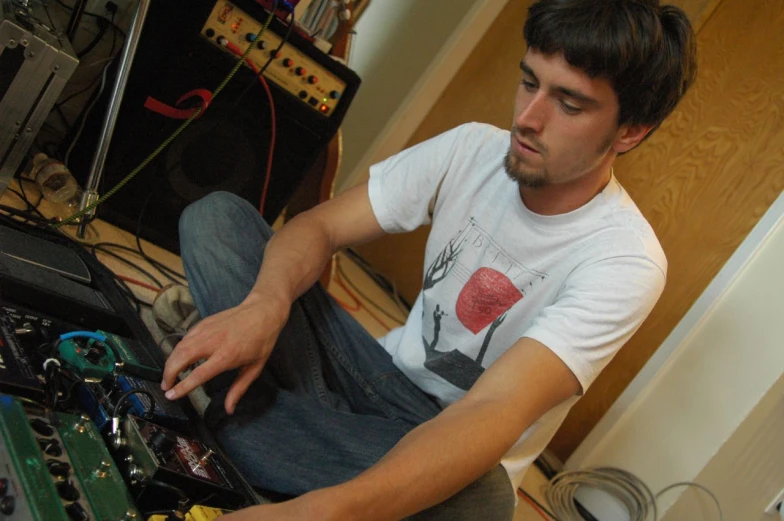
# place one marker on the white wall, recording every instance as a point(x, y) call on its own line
point(716, 376)
point(406, 52)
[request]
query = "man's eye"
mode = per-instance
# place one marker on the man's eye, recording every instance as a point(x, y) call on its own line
point(529, 85)
point(570, 109)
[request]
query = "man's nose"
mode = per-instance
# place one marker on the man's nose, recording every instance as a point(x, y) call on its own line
point(532, 114)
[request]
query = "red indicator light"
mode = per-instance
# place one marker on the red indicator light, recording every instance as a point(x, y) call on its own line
point(324, 108)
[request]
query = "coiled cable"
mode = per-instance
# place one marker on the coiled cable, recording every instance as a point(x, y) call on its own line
point(622, 485)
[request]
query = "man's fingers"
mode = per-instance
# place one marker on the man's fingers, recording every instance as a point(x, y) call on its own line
point(186, 353)
point(241, 384)
point(198, 376)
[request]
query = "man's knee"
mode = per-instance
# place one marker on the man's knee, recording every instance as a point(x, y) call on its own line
point(215, 209)
point(490, 498)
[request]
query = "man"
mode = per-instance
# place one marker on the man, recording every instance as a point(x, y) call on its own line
point(534, 278)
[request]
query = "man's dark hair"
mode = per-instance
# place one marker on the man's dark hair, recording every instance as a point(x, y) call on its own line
point(645, 50)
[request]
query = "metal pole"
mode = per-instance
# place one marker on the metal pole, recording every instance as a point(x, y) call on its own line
point(99, 158)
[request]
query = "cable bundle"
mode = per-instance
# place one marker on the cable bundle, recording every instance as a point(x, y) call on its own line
point(624, 486)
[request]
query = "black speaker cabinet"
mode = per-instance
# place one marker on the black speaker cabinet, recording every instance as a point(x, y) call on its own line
point(227, 147)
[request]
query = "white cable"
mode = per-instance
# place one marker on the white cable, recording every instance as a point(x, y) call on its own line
point(625, 487)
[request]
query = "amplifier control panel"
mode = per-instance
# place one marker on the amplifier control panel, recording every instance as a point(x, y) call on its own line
point(229, 27)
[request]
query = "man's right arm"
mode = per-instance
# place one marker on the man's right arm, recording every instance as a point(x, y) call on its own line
point(293, 261)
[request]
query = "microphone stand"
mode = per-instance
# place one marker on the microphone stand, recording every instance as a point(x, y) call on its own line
point(90, 194)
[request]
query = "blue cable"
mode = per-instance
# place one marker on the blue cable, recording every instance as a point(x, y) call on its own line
point(86, 334)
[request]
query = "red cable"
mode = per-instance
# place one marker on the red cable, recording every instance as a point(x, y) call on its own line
point(273, 130)
point(534, 506)
point(139, 283)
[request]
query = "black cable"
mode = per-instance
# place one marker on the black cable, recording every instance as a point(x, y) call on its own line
point(93, 15)
point(27, 199)
point(27, 216)
point(382, 281)
point(155, 263)
point(95, 81)
point(103, 26)
point(126, 395)
point(171, 488)
point(129, 263)
point(366, 298)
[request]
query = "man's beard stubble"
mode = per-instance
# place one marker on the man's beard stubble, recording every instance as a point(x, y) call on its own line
point(527, 179)
point(516, 169)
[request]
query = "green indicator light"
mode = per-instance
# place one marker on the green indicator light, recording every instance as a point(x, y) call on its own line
point(325, 99)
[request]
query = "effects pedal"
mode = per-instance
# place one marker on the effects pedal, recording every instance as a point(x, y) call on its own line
point(55, 467)
point(97, 355)
point(18, 374)
point(99, 399)
point(155, 459)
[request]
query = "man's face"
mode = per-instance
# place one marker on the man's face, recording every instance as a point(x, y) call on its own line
point(565, 123)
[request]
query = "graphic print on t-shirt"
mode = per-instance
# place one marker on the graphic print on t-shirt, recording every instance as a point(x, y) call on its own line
point(476, 278)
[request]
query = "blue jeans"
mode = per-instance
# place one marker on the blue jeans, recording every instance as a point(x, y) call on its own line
point(330, 402)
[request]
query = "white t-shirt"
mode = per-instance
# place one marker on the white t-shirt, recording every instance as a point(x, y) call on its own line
point(581, 283)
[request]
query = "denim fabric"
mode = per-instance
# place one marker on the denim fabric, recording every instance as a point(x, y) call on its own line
point(330, 402)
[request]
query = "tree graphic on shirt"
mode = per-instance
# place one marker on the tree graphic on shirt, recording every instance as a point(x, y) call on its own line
point(440, 267)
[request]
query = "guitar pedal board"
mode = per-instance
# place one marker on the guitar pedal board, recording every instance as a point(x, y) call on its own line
point(85, 431)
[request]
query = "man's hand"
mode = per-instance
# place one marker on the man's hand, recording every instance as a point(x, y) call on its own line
point(242, 336)
point(293, 261)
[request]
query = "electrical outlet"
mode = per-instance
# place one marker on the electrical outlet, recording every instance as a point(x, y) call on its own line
point(772, 508)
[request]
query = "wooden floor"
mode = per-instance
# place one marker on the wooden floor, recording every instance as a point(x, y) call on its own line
point(349, 284)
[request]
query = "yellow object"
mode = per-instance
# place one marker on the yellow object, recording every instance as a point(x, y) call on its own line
point(197, 513)
point(200, 513)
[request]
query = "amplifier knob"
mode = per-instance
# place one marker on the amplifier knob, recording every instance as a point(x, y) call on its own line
point(58, 468)
point(312, 80)
point(51, 447)
point(7, 505)
point(209, 33)
point(41, 427)
point(300, 71)
point(288, 62)
point(275, 54)
point(334, 94)
point(67, 491)
point(76, 512)
point(251, 37)
point(303, 94)
point(261, 44)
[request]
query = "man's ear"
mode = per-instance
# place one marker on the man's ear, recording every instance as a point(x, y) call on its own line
point(629, 136)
